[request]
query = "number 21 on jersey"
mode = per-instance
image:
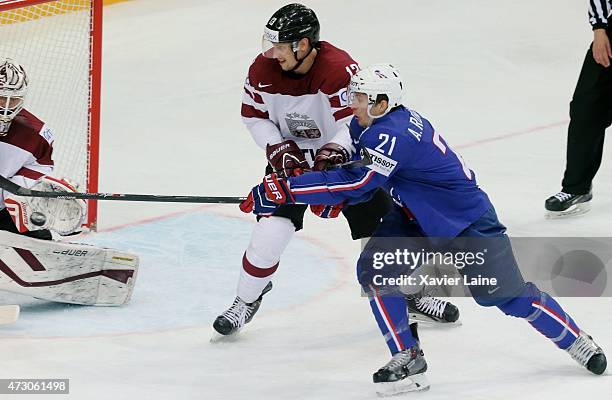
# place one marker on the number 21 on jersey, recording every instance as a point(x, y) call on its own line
point(385, 139)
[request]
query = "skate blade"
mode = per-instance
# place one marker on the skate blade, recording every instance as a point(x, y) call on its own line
point(429, 321)
point(9, 314)
point(216, 337)
point(412, 383)
point(573, 211)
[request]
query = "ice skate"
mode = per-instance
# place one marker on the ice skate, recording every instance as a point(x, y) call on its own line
point(235, 317)
point(430, 310)
point(588, 354)
point(565, 204)
point(405, 372)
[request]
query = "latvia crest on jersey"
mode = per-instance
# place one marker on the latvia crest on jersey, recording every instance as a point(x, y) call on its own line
point(302, 126)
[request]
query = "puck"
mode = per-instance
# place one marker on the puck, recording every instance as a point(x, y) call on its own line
point(38, 218)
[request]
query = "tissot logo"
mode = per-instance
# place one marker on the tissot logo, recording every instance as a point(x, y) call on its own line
point(384, 163)
point(381, 163)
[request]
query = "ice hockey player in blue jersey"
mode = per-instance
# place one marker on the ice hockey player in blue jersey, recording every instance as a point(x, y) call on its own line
point(436, 196)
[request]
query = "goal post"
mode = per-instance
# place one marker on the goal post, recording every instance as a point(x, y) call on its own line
point(59, 43)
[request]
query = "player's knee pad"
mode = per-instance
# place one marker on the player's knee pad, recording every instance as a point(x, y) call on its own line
point(521, 306)
point(269, 239)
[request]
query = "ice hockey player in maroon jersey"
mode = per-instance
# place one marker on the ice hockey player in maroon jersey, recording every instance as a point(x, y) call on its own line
point(295, 107)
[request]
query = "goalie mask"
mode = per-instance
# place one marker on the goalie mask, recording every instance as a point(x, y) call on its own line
point(375, 80)
point(13, 87)
point(64, 216)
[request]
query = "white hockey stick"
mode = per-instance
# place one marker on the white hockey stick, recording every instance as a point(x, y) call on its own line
point(9, 314)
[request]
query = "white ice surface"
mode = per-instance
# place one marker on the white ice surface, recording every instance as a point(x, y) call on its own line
point(494, 77)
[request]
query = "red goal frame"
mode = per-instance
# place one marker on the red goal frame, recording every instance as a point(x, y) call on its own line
point(95, 83)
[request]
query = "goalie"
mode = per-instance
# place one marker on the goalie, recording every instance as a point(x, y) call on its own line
point(46, 269)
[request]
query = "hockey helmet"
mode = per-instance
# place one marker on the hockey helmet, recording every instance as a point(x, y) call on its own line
point(376, 80)
point(290, 24)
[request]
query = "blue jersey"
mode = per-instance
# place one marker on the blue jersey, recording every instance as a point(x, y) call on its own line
point(413, 163)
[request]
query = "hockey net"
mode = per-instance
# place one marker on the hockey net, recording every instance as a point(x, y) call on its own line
point(59, 44)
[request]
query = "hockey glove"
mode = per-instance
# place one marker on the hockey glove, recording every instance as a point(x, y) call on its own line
point(277, 189)
point(286, 157)
point(257, 203)
point(324, 211)
point(327, 156)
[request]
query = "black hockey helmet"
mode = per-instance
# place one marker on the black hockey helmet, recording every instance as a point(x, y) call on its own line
point(292, 23)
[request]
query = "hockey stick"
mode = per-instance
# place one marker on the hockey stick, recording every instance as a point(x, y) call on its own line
point(9, 314)
point(14, 188)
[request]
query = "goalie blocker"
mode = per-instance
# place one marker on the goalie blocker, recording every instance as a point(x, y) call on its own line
point(66, 272)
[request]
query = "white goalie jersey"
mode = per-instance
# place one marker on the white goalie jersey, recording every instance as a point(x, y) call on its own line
point(310, 109)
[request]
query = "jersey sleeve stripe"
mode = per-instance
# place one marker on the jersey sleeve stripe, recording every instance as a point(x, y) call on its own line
point(255, 96)
point(345, 112)
point(250, 102)
point(29, 173)
point(251, 112)
point(334, 102)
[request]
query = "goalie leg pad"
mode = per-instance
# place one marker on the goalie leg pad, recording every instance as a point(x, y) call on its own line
point(66, 272)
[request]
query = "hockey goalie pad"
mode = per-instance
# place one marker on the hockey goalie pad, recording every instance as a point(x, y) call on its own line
point(66, 272)
point(35, 213)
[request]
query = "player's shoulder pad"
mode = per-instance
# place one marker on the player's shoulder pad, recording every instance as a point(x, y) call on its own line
point(333, 69)
point(33, 136)
point(261, 68)
point(31, 128)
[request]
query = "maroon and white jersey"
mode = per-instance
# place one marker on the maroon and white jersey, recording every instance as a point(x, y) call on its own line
point(25, 151)
point(310, 109)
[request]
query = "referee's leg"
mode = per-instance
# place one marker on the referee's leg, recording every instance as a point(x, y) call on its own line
point(590, 115)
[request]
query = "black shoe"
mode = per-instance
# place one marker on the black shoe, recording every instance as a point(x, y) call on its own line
point(239, 314)
point(588, 354)
point(562, 204)
point(431, 309)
